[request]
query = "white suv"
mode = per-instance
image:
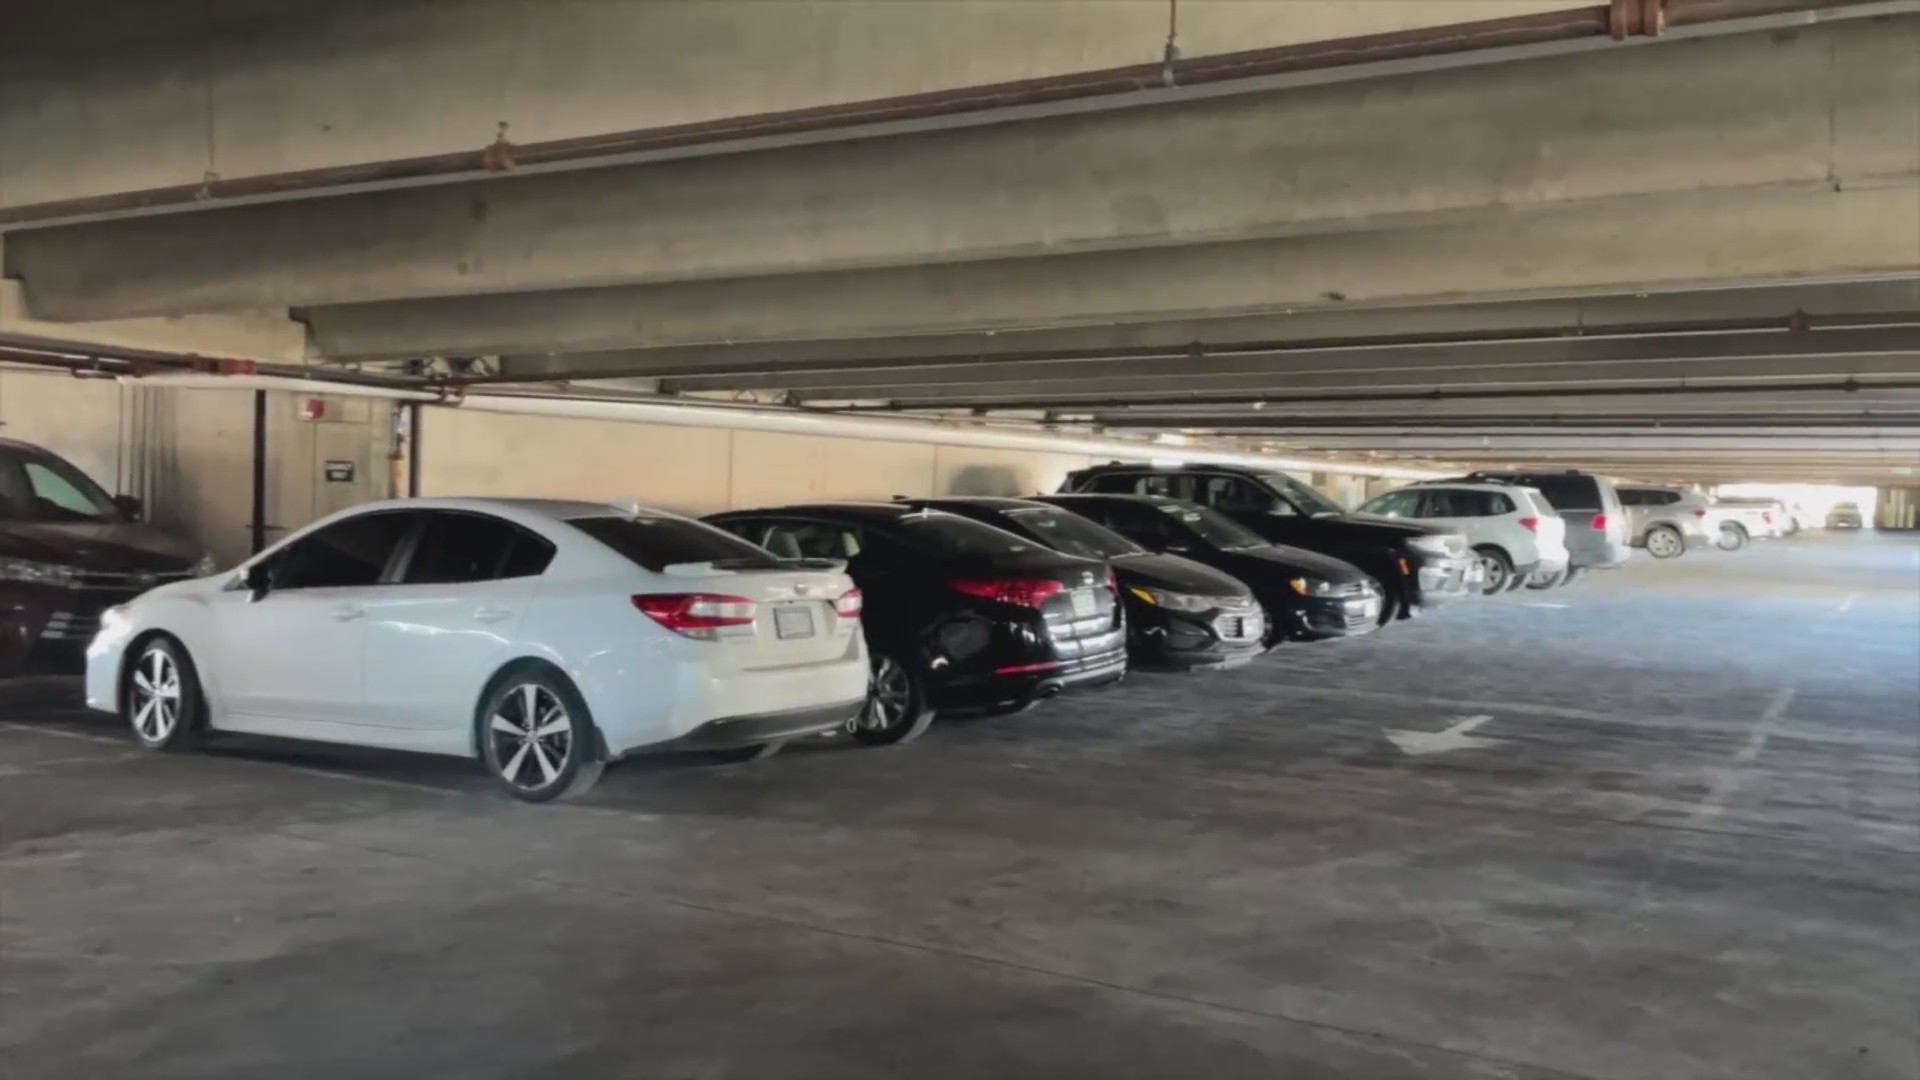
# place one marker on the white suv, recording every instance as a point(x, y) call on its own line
point(1513, 529)
point(1667, 521)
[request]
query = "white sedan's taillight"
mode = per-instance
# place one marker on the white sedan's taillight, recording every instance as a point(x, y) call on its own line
point(705, 616)
point(848, 604)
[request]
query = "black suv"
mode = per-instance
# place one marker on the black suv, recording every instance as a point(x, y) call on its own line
point(1416, 565)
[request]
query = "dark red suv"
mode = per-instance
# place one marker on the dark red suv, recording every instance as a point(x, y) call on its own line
point(69, 551)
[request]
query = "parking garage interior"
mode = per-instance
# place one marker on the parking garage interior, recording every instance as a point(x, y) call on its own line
point(261, 263)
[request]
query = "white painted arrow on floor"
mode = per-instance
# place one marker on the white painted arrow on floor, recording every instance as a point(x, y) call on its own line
point(1439, 742)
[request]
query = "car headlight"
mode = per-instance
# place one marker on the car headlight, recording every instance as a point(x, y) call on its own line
point(35, 573)
point(205, 567)
point(1429, 545)
point(1311, 586)
point(1174, 601)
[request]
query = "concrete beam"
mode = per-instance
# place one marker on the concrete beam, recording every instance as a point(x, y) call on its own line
point(1686, 353)
point(270, 337)
point(1709, 310)
point(1835, 106)
point(1410, 380)
point(1640, 244)
point(124, 95)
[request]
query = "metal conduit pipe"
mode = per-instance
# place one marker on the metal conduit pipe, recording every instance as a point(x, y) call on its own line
point(1173, 78)
point(788, 421)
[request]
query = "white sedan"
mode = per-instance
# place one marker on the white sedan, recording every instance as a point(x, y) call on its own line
point(545, 638)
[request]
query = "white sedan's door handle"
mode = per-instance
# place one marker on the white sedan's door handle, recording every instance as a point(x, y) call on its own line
point(492, 615)
point(348, 613)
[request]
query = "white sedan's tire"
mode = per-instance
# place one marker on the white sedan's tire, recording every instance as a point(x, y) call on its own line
point(160, 697)
point(536, 736)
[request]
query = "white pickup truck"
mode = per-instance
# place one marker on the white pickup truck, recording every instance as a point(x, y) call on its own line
point(1735, 523)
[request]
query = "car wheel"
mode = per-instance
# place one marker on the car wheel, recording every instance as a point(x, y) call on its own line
point(1548, 582)
point(161, 697)
point(897, 710)
point(1732, 537)
point(537, 738)
point(1498, 569)
point(1663, 542)
point(1518, 580)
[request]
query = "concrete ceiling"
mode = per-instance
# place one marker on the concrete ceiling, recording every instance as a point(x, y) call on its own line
point(1697, 258)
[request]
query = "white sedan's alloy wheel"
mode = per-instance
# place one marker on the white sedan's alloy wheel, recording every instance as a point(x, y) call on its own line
point(154, 686)
point(532, 737)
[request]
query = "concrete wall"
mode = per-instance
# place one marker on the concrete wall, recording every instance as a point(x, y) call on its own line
point(115, 95)
point(701, 470)
point(188, 454)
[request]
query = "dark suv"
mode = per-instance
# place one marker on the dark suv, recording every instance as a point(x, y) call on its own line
point(1416, 565)
point(69, 551)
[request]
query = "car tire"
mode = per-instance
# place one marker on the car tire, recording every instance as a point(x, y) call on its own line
point(536, 737)
point(1665, 542)
point(1732, 537)
point(1517, 582)
point(898, 710)
point(1499, 569)
point(160, 697)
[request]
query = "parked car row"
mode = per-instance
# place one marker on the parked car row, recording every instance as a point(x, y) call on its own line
point(549, 638)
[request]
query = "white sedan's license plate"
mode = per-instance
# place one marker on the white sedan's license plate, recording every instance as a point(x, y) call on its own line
point(1084, 604)
point(792, 622)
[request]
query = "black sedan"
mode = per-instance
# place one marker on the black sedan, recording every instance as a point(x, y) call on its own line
point(958, 615)
point(1307, 595)
point(1181, 615)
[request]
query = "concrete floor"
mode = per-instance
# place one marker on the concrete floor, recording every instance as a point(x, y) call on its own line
point(1689, 852)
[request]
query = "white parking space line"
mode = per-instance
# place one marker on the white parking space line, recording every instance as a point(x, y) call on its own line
point(375, 781)
point(1545, 604)
point(63, 733)
point(32, 767)
point(1848, 602)
point(1728, 779)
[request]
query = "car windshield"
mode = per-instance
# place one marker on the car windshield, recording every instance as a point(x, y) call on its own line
point(1215, 528)
point(1075, 535)
point(950, 536)
point(41, 487)
point(1305, 499)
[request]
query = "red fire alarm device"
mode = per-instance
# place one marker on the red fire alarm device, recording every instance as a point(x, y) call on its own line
point(313, 408)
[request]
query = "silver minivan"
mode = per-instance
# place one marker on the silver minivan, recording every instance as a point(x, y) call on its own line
point(1596, 522)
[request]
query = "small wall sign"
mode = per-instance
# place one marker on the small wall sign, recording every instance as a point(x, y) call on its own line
point(339, 472)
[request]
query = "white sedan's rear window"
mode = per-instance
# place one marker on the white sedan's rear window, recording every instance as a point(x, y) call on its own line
point(657, 543)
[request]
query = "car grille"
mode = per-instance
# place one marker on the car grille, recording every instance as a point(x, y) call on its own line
point(1350, 589)
point(132, 583)
point(71, 626)
point(1247, 627)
